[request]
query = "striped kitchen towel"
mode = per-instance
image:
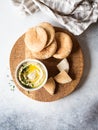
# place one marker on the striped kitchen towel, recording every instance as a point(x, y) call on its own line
point(74, 15)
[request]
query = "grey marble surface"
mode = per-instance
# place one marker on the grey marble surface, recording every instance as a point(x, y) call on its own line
point(78, 111)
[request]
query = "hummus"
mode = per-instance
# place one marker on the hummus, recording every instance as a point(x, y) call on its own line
point(31, 74)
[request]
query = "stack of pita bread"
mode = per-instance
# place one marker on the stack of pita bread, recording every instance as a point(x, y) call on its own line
point(42, 42)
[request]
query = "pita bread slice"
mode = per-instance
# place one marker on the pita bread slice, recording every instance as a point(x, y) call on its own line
point(62, 77)
point(63, 65)
point(50, 86)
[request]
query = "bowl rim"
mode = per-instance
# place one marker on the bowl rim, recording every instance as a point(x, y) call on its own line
point(31, 60)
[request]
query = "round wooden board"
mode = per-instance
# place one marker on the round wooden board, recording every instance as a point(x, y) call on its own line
point(76, 69)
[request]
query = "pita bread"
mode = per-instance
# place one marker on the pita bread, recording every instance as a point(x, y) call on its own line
point(64, 44)
point(50, 31)
point(28, 53)
point(50, 86)
point(35, 39)
point(63, 65)
point(46, 52)
point(62, 77)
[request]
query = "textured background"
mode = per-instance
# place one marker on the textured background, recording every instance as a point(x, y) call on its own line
point(78, 111)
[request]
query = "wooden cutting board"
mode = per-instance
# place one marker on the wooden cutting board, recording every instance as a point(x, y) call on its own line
point(76, 69)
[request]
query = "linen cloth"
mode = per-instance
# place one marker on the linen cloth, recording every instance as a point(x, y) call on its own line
point(74, 15)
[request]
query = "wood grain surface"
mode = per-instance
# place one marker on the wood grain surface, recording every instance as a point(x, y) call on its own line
point(76, 69)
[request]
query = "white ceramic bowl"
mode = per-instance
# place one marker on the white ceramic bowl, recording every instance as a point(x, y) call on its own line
point(30, 61)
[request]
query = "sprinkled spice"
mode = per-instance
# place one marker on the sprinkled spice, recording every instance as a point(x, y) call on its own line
point(10, 82)
point(11, 85)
